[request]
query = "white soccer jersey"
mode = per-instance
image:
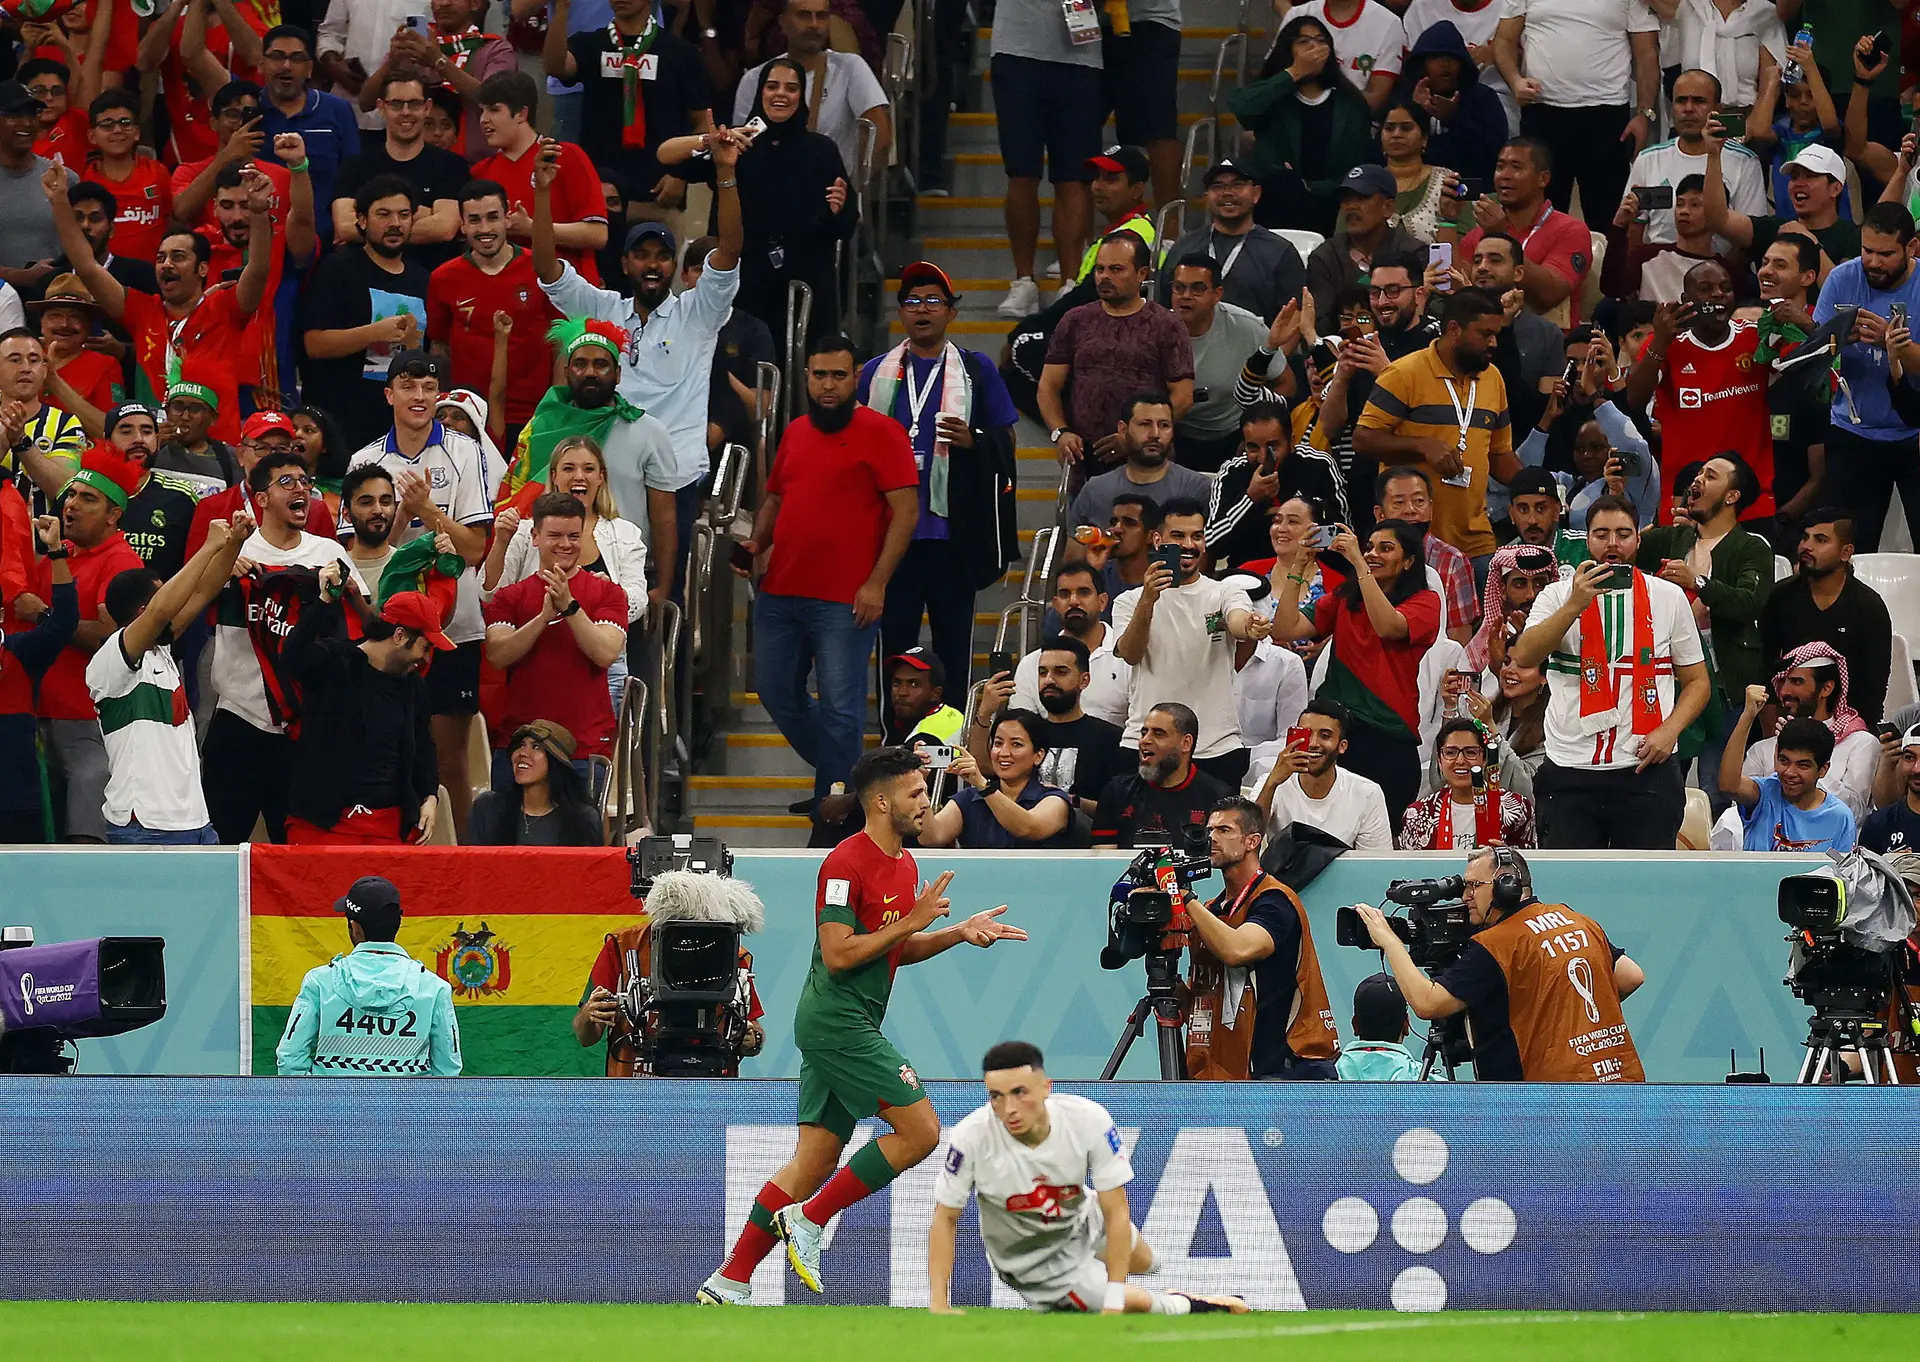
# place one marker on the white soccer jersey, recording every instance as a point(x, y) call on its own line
point(1037, 1218)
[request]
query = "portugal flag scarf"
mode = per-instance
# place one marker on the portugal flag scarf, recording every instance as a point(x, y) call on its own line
point(1601, 647)
point(554, 420)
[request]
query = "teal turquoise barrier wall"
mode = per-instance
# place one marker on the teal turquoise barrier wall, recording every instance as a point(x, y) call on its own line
point(189, 897)
point(1703, 927)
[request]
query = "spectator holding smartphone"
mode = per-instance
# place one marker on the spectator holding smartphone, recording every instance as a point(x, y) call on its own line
point(1178, 633)
point(1269, 469)
point(1610, 458)
point(1381, 621)
point(1470, 809)
point(1006, 807)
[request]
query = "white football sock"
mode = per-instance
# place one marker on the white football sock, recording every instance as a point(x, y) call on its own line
point(1166, 1303)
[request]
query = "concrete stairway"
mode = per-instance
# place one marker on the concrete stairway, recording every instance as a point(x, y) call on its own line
point(753, 775)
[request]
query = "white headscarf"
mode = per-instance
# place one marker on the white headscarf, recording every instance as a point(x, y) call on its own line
point(494, 467)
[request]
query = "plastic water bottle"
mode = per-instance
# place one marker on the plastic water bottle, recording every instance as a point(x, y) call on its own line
point(1791, 74)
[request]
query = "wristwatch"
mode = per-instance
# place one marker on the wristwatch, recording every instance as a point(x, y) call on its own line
point(58, 553)
point(1053, 436)
point(1699, 581)
point(573, 608)
point(1647, 114)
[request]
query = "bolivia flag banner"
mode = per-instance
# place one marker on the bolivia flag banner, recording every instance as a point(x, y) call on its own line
point(515, 930)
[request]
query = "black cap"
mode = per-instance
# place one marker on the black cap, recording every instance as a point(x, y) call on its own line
point(436, 365)
point(1128, 161)
point(920, 659)
point(1220, 169)
point(1379, 1009)
point(15, 98)
point(1368, 182)
point(1533, 482)
point(372, 902)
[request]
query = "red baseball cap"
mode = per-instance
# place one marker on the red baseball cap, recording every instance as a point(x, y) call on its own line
point(264, 423)
point(414, 610)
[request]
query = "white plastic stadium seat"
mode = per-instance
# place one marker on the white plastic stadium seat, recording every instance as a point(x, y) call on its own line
point(1901, 690)
point(1697, 825)
point(1896, 576)
point(1782, 568)
point(1303, 241)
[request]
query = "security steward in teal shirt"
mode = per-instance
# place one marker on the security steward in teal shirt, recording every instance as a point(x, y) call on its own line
point(375, 1010)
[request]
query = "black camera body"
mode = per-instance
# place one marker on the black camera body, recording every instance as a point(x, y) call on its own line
point(1825, 970)
point(1434, 929)
point(1141, 916)
point(689, 1009)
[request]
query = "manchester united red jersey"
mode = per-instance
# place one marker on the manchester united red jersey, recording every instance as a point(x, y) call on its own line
point(1712, 399)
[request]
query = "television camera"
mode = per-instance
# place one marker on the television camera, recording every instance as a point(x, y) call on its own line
point(74, 990)
point(1848, 922)
point(687, 1006)
point(1147, 919)
point(1434, 930)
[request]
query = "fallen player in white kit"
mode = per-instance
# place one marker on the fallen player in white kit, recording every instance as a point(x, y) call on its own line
point(1029, 1154)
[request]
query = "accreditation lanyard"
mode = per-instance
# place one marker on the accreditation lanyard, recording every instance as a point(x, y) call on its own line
point(1226, 266)
point(1538, 223)
point(917, 397)
point(1462, 414)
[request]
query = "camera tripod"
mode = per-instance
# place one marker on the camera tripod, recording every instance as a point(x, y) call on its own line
point(1162, 1002)
point(1830, 1033)
point(1446, 1038)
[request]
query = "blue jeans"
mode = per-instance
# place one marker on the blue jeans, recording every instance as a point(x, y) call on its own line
point(795, 635)
point(566, 115)
point(133, 835)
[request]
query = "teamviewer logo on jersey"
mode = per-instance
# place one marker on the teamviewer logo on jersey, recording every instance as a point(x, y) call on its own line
point(1419, 1223)
point(1691, 400)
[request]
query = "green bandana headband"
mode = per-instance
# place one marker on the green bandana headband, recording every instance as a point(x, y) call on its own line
point(101, 483)
point(200, 392)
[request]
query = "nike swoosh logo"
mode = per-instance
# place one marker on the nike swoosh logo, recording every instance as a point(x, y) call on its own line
point(889, 898)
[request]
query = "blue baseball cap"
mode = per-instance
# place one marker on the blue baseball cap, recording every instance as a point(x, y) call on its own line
point(640, 231)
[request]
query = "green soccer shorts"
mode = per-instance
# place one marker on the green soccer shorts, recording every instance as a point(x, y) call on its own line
point(840, 1086)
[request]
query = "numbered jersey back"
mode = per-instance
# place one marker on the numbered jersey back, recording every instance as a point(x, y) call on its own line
point(1561, 998)
point(376, 1026)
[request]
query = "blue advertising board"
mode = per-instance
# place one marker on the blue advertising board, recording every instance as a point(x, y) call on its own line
point(1415, 1197)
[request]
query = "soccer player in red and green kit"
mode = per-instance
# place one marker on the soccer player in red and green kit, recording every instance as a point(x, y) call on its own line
point(872, 917)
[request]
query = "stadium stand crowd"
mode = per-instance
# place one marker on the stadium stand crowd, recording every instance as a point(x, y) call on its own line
point(1502, 452)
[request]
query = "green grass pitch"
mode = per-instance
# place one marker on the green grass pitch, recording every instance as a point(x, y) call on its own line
point(569, 1333)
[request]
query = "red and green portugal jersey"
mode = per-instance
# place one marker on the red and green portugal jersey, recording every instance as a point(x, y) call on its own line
point(867, 889)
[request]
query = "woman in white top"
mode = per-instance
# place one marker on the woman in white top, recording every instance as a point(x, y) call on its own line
point(609, 546)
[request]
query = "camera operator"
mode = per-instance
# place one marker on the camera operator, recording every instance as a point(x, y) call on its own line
point(1254, 936)
point(624, 956)
point(1540, 983)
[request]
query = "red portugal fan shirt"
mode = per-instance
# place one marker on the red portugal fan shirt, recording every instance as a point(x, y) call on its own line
point(212, 336)
point(1713, 399)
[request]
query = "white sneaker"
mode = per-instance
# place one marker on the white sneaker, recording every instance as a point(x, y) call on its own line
point(718, 1290)
point(1022, 300)
point(803, 1244)
point(1053, 270)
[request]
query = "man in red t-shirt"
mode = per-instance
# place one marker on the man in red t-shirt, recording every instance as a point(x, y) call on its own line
point(507, 103)
point(554, 634)
point(839, 510)
point(464, 294)
point(96, 553)
point(139, 184)
point(195, 48)
point(1708, 395)
point(186, 319)
point(1557, 246)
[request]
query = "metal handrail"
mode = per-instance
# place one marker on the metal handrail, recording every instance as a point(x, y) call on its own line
point(1046, 535)
point(766, 411)
point(799, 315)
point(617, 812)
point(867, 134)
point(1246, 31)
point(896, 66)
point(666, 632)
point(1191, 151)
point(1169, 226)
point(1233, 42)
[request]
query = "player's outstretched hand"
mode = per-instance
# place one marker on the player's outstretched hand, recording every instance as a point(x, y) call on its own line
point(982, 930)
point(932, 903)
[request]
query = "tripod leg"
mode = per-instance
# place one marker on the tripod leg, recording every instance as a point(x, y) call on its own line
point(1806, 1064)
point(1822, 1056)
point(1128, 1034)
point(1173, 1052)
point(1866, 1065)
